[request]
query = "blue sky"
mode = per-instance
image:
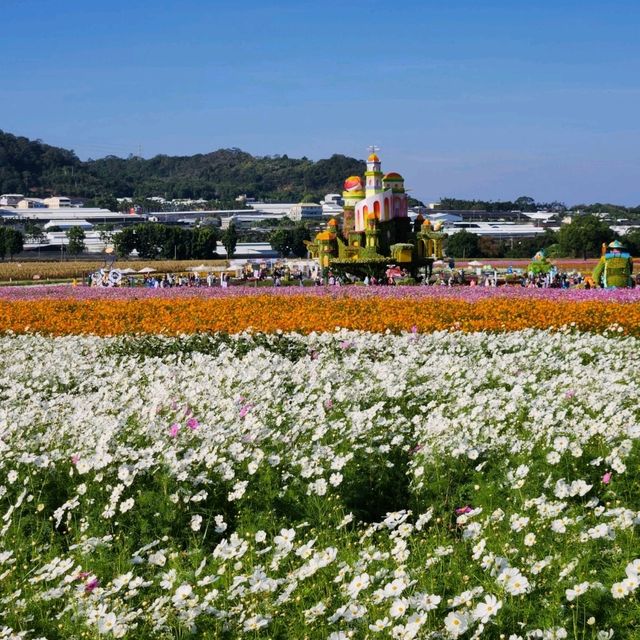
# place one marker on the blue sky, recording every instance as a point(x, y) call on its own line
point(487, 99)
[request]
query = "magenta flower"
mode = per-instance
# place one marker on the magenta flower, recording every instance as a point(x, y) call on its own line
point(606, 478)
point(328, 403)
point(75, 458)
point(173, 429)
point(570, 394)
point(460, 511)
point(193, 424)
point(345, 344)
point(91, 585)
point(244, 409)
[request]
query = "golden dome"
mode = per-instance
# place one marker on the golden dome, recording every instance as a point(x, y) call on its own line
point(373, 158)
point(332, 222)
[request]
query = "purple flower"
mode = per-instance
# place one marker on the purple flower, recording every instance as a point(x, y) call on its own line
point(193, 424)
point(244, 409)
point(91, 585)
point(173, 429)
point(606, 478)
point(460, 511)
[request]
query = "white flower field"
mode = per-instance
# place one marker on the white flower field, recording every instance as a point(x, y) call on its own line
point(338, 485)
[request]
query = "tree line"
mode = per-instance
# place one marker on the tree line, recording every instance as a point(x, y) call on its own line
point(34, 168)
point(527, 204)
point(582, 238)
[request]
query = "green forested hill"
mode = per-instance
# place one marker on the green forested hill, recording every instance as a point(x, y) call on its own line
point(35, 168)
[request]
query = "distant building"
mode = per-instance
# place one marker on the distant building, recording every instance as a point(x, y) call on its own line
point(68, 224)
point(31, 203)
point(58, 202)
point(278, 208)
point(10, 199)
point(334, 199)
point(305, 211)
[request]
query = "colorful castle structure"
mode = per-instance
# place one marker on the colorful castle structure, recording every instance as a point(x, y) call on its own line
point(376, 228)
point(615, 267)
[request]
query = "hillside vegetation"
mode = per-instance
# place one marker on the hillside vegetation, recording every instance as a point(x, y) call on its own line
point(38, 169)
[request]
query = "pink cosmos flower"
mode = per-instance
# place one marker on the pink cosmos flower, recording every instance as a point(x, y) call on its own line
point(91, 585)
point(570, 394)
point(193, 424)
point(460, 511)
point(75, 458)
point(606, 478)
point(345, 344)
point(173, 429)
point(244, 409)
point(328, 403)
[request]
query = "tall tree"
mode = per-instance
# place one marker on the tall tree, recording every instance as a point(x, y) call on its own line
point(76, 238)
point(14, 242)
point(584, 236)
point(462, 245)
point(281, 240)
point(230, 240)
point(3, 242)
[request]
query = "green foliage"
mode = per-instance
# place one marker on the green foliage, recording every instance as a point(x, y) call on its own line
point(230, 240)
point(584, 237)
point(523, 203)
point(76, 237)
point(631, 241)
point(287, 241)
point(166, 242)
point(28, 166)
point(462, 245)
point(11, 242)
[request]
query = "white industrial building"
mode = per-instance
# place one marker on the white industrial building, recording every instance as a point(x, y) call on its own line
point(305, 211)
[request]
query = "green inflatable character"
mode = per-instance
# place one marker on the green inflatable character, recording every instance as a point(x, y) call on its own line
point(615, 267)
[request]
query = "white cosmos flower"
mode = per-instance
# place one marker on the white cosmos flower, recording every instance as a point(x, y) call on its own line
point(356, 585)
point(485, 610)
point(107, 623)
point(517, 585)
point(456, 623)
point(398, 607)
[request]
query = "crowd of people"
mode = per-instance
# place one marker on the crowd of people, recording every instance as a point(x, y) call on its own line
point(284, 276)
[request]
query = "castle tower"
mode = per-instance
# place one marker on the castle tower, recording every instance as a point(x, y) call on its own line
point(352, 194)
point(371, 233)
point(373, 175)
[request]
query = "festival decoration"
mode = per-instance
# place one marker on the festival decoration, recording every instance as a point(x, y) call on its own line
point(615, 266)
point(376, 228)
